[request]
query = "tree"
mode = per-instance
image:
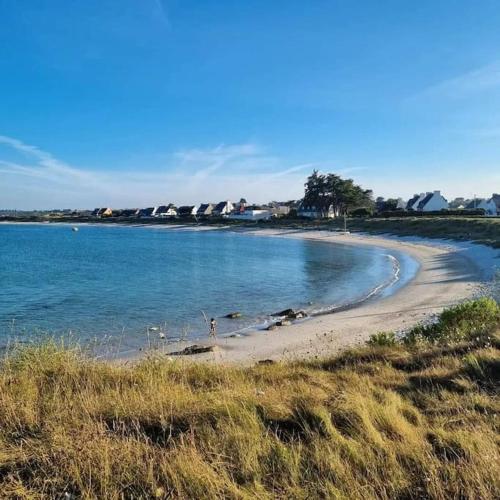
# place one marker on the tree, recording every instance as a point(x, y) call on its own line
point(330, 191)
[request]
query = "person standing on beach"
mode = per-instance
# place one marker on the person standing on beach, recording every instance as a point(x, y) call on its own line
point(213, 326)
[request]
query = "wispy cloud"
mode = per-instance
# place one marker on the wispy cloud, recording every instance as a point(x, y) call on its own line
point(40, 180)
point(47, 165)
point(209, 161)
point(469, 83)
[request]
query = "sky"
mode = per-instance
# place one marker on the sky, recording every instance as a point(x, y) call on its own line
point(133, 103)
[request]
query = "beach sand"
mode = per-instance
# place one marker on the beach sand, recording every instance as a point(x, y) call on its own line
point(449, 273)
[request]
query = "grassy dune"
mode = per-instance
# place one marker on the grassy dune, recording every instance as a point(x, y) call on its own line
point(484, 230)
point(392, 420)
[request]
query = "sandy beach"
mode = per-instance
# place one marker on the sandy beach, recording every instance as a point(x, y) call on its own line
point(449, 272)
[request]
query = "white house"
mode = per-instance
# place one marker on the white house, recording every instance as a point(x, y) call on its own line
point(251, 215)
point(428, 202)
point(313, 213)
point(489, 206)
point(280, 210)
point(433, 202)
point(165, 211)
point(187, 211)
point(204, 210)
point(223, 208)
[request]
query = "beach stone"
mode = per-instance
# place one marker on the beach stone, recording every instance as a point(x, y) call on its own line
point(291, 314)
point(283, 322)
point(194, 349)
point(272, 326)
point(297, 315)
point(233, 315)
point(285, 312)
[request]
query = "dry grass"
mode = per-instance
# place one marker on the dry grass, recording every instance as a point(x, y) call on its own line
point(378, 422)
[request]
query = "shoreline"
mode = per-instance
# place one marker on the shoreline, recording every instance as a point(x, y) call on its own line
point(448, 273)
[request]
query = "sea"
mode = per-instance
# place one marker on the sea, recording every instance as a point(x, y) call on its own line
point(127, 287)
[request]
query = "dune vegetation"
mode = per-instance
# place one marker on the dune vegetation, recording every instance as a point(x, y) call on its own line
point(483, 230)
point(400, 418)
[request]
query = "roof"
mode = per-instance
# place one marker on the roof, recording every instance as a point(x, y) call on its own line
point(474, 203)
point(165, 208)
point(306, 208)
point(424, 202)
point(204, 207)
point(412, 201)
point(145, 212)
point(220, 206)
point(186, 209)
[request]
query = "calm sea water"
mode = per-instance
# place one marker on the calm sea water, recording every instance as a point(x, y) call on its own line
point(114, 281)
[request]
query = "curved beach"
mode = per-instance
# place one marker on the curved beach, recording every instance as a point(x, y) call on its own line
point(448, 273)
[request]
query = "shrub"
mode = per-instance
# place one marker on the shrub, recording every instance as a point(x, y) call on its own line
point(361, 212)
point(382, 339)
point(465, 321)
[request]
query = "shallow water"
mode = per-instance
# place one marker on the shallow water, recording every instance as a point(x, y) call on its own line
point(127, 283)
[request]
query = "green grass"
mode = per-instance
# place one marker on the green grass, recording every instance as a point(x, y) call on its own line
point(382, 421)
point(485, 230)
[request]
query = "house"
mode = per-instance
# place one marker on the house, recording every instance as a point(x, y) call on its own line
point(251, 214)
point(166, 211)
point(147, 212)
point(187, 211)
point(102, 212)
point(489, 206)
point(427, 202)
point(280, 210)
point(313, 213)
point(204, 210)
point(433, 202)
point(414, 201)
point(223, 208)
point(240, 206)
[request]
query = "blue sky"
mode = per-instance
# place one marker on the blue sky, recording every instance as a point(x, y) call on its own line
point(139, 102)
